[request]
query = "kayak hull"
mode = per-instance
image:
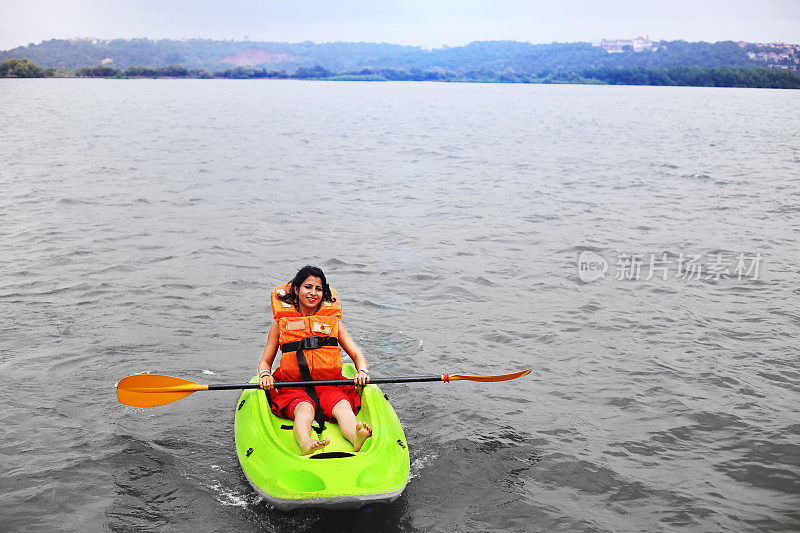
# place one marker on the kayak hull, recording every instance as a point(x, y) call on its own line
point(329, 502)
point(336, 477)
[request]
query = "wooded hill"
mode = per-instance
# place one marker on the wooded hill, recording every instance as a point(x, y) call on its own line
point(487, 56)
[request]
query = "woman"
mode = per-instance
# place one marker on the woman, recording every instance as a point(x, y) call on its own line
point(308, 329)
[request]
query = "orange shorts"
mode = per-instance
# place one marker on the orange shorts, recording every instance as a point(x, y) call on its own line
point(283, 401)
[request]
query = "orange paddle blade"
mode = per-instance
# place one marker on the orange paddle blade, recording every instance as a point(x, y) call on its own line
point(501, 377)
point(150, 390)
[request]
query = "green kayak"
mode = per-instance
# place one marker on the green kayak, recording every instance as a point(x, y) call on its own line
point(336, 477)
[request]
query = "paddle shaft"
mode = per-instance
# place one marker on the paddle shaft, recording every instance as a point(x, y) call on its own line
point(325, 382)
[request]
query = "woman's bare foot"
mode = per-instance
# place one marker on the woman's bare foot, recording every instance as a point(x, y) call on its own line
point(363, 432)
point(311, 445)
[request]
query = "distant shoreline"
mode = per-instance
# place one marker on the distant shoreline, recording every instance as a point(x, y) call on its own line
point(417, 81)
point(733, 77)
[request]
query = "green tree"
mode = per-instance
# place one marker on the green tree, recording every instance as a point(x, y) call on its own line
point(317, 71)
point(200, 73)
point(174, 71)
point(20, 68)
point(97, 72)
point(138, 71)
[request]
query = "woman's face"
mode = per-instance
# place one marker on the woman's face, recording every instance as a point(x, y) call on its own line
point(309, 294)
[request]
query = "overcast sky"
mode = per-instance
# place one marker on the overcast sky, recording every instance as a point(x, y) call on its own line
point(430, 23)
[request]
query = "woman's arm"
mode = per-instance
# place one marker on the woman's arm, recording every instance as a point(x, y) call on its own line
point(347, 344)
point(266, 381)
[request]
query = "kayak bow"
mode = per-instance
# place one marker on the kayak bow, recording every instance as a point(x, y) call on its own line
point(336, 477)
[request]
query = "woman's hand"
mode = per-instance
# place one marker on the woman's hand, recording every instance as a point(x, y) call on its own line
point(361, 378)
point(266, 382)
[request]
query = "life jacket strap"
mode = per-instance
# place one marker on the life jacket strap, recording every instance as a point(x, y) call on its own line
point(309, 343)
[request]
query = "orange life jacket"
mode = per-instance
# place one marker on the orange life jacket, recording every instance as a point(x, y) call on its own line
point(321, 349)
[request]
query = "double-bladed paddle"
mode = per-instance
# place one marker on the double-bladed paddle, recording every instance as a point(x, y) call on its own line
point(150, 390)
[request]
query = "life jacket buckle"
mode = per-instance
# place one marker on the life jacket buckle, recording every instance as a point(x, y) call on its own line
point(311, 343)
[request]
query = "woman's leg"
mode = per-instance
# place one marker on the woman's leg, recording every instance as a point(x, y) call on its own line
point(353, 430)
point(303, 415)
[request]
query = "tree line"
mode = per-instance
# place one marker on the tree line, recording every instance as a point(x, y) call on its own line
point(669, 76)
point(697, 77)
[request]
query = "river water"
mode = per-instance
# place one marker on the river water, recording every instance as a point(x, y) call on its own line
point(143, 222)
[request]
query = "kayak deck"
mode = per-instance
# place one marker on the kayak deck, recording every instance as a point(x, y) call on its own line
point(336, 477)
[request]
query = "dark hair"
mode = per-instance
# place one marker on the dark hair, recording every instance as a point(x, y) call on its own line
point(299, 278)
